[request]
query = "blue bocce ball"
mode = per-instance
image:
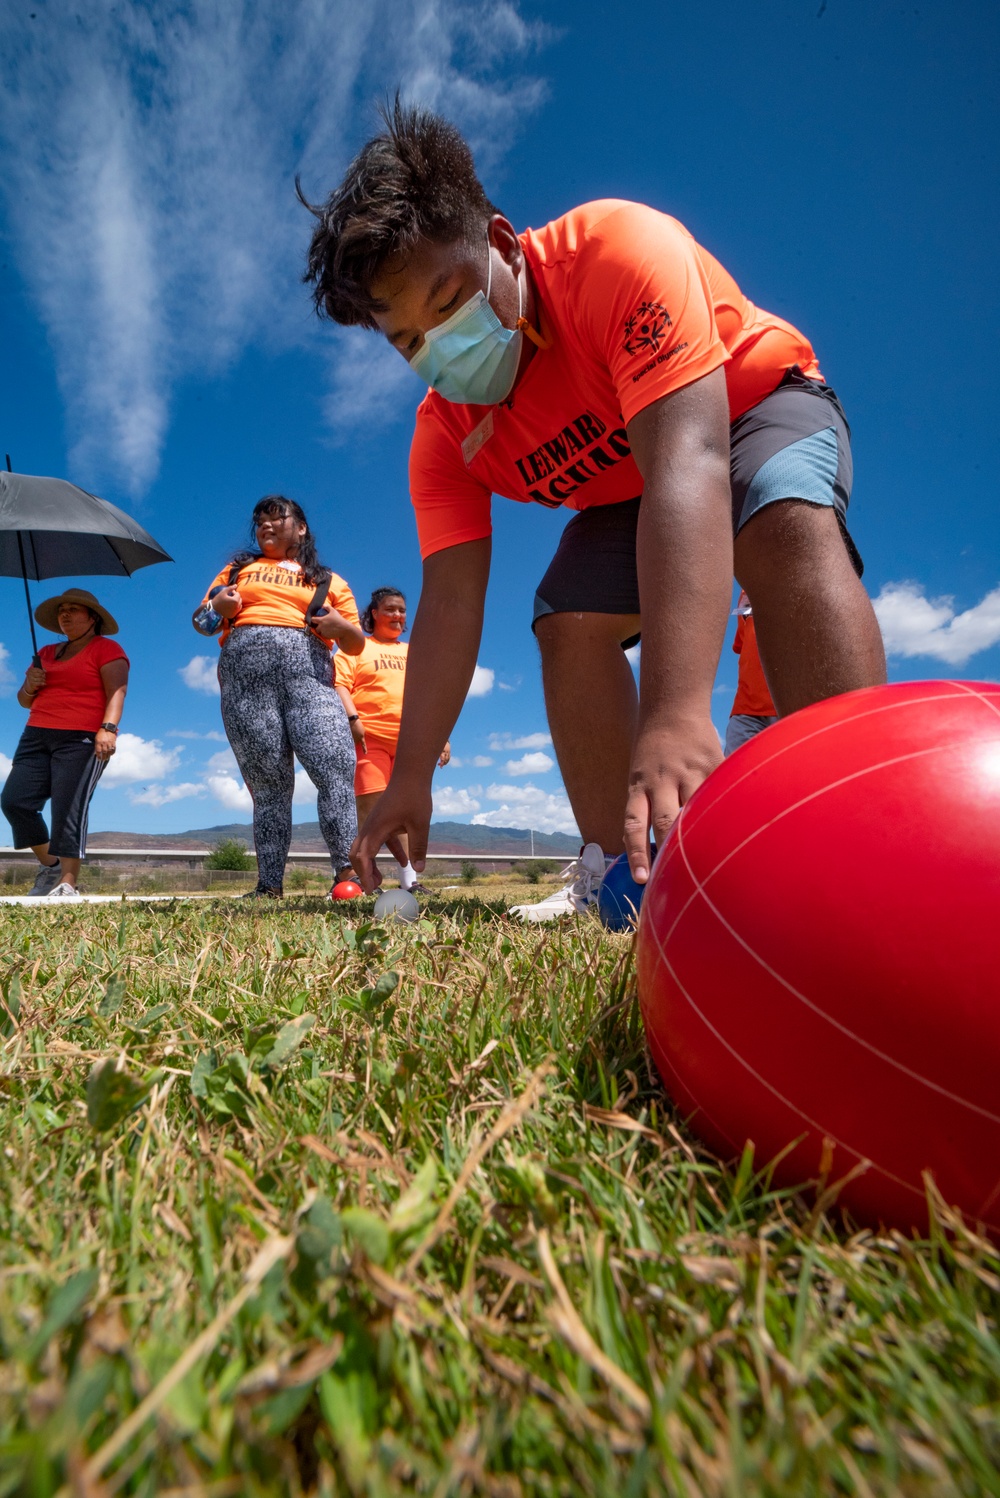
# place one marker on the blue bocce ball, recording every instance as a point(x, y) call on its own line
point(619, 897)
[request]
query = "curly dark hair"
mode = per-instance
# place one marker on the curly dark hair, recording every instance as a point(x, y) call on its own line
point(306, 556)
point(415, 181)
point(378, 596)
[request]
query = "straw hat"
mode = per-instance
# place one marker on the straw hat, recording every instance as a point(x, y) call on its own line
point(47, 612)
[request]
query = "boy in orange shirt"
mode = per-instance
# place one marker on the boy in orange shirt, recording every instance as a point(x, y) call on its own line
point(609, 363)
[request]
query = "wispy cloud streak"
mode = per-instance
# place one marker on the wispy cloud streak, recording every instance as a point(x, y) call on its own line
point(151, 153)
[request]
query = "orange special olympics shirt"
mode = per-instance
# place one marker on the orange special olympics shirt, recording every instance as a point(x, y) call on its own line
point(274, 593)
point(74, 695)
point(375, 681)
point(752, 696)
point(634, 309)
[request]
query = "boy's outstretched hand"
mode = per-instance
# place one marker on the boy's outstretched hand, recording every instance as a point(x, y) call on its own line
point(668, 766)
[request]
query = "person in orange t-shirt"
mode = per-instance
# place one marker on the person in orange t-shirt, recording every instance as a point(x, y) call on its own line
point(753, 709)
point(281, 613)
point(607, 363)
point(76, 696)
point(371, 688)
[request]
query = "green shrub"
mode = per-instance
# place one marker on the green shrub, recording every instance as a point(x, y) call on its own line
point(469, 872)
point(532, 869)
point(230, 853)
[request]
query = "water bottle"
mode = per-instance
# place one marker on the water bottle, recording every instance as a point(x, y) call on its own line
point(205, 620)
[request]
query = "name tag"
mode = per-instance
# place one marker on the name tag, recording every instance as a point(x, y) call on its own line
point(477, 438)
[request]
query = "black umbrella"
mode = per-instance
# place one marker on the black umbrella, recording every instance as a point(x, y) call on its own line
point(50, 528)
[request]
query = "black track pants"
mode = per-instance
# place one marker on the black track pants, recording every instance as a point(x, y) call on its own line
point(278, 701)
point(57, 764)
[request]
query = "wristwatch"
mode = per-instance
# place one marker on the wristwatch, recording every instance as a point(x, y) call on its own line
point(353, 717)
point(110, 727)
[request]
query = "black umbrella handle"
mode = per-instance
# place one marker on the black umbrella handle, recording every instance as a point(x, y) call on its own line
point(36, 659)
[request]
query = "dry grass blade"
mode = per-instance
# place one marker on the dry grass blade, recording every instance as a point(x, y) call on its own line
point(271, 1252)
point(567, 1322)
point(511, 1116)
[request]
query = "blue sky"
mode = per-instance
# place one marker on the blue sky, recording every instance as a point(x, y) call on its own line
point(838, 156)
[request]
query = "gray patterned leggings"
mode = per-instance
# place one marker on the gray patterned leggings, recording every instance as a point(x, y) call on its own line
point(278, 701)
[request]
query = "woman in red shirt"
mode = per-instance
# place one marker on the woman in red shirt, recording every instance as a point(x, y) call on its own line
point(76, 697)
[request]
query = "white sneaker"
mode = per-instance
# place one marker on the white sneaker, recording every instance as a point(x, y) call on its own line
point(584, 877)
point(65, 892)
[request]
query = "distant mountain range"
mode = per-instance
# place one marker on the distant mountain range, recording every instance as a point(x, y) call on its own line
point(446, 837)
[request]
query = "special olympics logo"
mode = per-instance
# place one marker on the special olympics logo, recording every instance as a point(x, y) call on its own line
point(646, 329)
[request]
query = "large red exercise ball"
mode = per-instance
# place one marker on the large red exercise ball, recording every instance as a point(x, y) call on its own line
point(819, 950)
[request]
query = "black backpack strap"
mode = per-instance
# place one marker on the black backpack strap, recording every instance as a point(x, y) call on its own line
point(319, 597)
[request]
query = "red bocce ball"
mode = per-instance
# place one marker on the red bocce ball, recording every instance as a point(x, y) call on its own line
point(347, 889)
point(819, 950)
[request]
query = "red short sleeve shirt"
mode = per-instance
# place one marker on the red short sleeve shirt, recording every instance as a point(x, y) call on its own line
point(74, 694)
point(633, 309)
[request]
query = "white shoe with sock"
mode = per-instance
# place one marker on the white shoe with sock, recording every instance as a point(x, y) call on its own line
point(65, 892)
point(578, 894)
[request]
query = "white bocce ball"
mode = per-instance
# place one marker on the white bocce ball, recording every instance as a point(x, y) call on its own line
point(396, 905)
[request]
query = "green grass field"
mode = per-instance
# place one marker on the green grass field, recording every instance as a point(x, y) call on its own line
point(292, 1203)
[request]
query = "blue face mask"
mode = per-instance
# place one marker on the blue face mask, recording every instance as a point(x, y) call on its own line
point(472, 358)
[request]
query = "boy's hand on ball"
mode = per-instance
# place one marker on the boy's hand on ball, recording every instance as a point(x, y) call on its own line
point(668, 766)
point(404, 808)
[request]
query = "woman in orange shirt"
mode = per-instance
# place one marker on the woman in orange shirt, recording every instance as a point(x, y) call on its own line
point(76, 695)
point(280, 612)
point(371, 688)
point(752, 708)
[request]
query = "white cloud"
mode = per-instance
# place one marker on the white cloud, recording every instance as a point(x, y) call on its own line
point(6, 765)
point(138, 759)
point(368, 377)
point(149, 155)
point(481, 761)
point(634, 654)
point(305, 792)
point(500, 741)
point(201, 675)
point(221, 778)
point(231, 792)
point(509, 686)
point(527, 806)
point(482, 682)
point(913, 624)
point(222, 762)
point(8, 681)
point(530, 764)
point(450, 802)
point(190, 733)
point(162, 795)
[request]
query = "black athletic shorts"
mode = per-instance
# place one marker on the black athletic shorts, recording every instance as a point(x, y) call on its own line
point(794, 444)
